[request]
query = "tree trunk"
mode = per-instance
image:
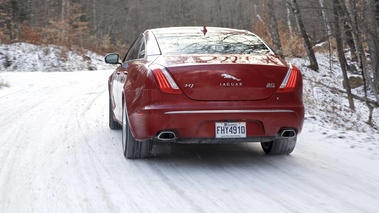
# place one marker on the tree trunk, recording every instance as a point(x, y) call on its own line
point(63, 10)
point(94, 16)
point(348, 31)
point(289, 22)
point(274, 31)
point(307, 44)
point(341, 53)
point(326, 19)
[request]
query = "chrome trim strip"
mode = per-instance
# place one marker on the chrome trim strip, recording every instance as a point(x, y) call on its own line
point(224, 111)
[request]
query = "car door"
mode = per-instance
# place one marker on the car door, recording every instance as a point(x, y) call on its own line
point(133, 54)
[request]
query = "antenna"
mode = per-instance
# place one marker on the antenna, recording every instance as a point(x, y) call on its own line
point(204, 30)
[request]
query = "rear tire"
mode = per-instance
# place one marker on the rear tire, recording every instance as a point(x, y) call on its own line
point(133, 149)
point(112, 123)
point(282, 146)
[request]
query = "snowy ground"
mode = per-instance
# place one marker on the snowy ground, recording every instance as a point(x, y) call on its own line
point(57, 154)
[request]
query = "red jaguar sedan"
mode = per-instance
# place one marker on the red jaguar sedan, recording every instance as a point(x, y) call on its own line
point(204, 85)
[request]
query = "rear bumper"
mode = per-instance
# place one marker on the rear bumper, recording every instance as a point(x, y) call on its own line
point(198, 126)
point(217, 140)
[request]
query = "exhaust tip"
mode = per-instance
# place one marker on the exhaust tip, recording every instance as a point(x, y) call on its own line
point(288, 133)
point(166, 136)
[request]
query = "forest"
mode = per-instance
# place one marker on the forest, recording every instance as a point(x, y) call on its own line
point(348, 28)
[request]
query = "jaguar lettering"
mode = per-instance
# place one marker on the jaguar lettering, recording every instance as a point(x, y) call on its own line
point(231, 84)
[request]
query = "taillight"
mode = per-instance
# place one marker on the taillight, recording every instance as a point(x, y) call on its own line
point(289, 82)
point(165, 82)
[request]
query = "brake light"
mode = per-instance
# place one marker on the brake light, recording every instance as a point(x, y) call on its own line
point(165, 82)
point(289, 82)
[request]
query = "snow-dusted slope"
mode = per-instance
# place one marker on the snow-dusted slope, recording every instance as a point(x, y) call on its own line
point(29, 57)
point(329, 107)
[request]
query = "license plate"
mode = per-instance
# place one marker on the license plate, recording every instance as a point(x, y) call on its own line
point(230, 129)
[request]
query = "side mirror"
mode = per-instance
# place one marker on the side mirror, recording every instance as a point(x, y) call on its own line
point(112, 58)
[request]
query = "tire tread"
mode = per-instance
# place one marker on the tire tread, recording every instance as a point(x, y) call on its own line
point(282, 146)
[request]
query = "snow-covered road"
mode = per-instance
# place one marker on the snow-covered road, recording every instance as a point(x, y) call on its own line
point(57, 154)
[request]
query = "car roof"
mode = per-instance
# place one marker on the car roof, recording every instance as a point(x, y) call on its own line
point(196, 29)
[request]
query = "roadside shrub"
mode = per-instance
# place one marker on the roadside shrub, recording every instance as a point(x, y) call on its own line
point(291, 47)
point(7, 62)
point(3, 83)
point(31, 35)
point(3, 37)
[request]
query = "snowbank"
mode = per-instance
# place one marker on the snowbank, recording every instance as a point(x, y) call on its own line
point(51, 58)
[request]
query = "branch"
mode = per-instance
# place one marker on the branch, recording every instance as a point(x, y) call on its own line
point(374, 103)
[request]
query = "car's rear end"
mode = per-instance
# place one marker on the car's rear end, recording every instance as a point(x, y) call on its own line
point(220, 86)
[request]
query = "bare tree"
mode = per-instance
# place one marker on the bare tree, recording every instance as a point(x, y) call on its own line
point(373, 44)
point(325, 17)
point(307, 44)
point(289, 22)
point(341, 52)
point(357, 33)
point(373, 40)
point(274, 31)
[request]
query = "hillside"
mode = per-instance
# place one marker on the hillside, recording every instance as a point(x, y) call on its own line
point(324, 101)
point(29, 57)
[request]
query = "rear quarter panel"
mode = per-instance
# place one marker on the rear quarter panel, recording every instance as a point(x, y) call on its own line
point(137, 90)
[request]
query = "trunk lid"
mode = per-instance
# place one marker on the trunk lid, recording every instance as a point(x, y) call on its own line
point(227, 78)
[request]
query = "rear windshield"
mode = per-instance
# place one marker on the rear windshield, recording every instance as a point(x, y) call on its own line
point(211, 43)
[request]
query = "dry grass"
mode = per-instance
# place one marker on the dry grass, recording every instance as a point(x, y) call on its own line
point(30, 35)
point(292, 47)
